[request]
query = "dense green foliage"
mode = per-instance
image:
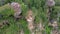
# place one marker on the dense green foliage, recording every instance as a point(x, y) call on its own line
point(39, 9)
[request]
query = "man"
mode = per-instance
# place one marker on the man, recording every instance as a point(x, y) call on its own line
point(17, 9)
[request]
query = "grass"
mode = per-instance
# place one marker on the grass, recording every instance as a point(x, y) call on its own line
point(16, 26)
